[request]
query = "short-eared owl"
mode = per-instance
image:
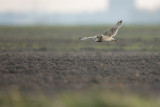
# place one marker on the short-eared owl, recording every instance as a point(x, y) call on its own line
point(107, 36)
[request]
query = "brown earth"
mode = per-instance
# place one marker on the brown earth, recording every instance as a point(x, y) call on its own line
point(53, 72)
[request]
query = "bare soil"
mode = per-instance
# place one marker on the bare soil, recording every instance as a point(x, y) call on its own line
point(55, 72)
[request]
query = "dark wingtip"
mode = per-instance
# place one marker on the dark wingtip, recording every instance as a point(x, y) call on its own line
point(120, 21)
point(80, 38)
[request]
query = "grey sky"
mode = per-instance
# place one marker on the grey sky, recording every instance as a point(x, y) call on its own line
point(67, 6)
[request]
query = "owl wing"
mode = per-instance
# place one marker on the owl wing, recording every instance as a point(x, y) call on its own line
point(112, 31)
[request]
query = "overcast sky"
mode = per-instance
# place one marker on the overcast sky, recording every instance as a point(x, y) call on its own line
point(67, 6)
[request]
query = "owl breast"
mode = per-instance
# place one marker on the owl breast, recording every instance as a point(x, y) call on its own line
point(107, 38)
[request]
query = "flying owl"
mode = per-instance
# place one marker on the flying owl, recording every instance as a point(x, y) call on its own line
point(107, 36)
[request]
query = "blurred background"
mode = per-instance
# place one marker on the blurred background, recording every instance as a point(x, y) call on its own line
point(48, 25)
point(78, 12)
point(43, 63)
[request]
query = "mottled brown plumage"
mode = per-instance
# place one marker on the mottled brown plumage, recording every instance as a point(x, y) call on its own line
point(108, 35)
